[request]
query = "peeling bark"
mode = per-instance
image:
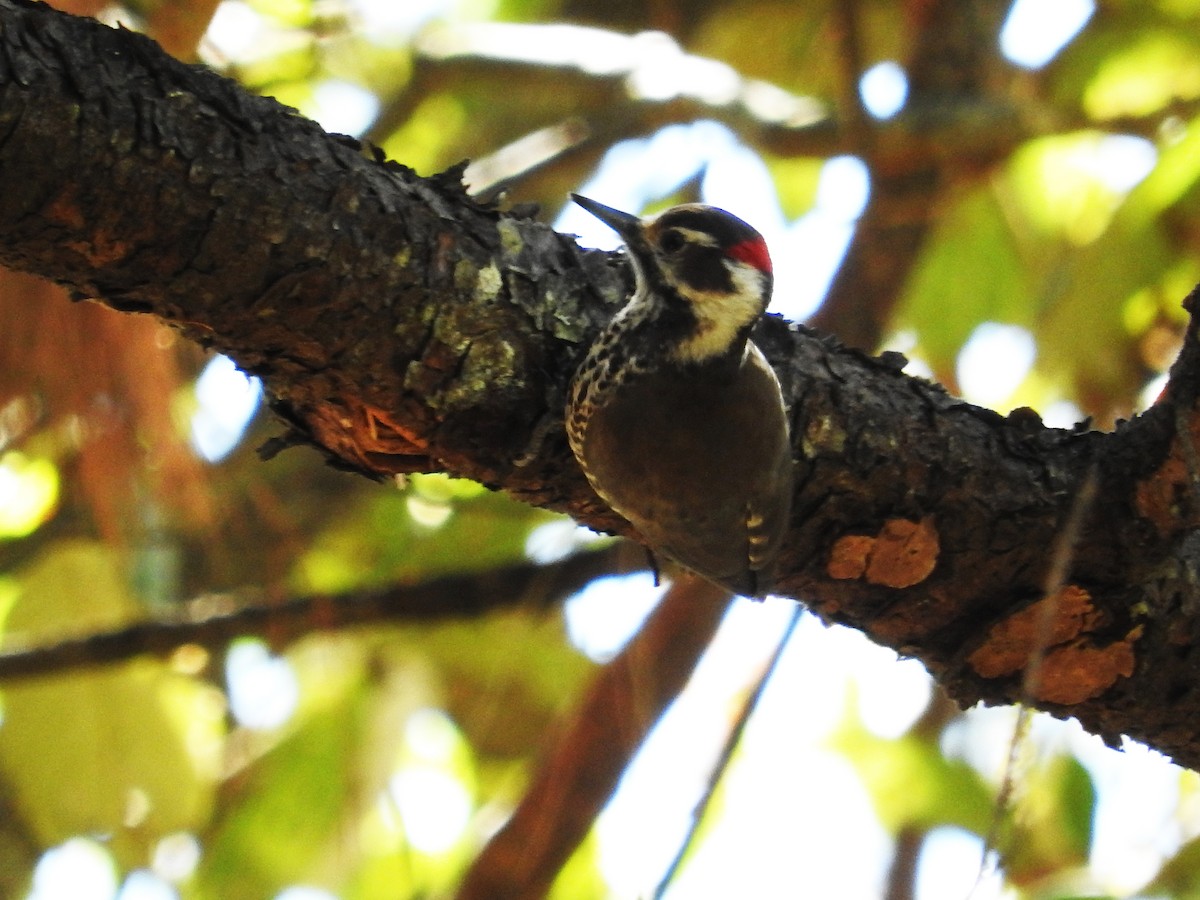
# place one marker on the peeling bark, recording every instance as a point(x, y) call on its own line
point(402, 327)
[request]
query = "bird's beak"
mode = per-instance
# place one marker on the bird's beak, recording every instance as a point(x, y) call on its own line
point(626, 225)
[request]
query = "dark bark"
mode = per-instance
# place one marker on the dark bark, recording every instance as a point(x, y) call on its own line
point(401, 327)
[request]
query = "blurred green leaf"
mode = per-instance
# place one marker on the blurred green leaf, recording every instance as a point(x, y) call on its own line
point(130, 750)
point(506, 676)
point(781, 42)
point(297, 13)
point(393, 536)
point(278, 818)
point(28, 494)
point(283, 75)
point(1145, 73)
point(426, 139)
point(580, 878)
point(1179, 875)
point(1054, 815)
point(1082, 336)
point(911, 782)
point(1055, 185)
point(1175, 174)
point(971, 271)
point(796, 182)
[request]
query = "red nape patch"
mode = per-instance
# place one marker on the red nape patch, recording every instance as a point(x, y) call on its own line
point(753, 251)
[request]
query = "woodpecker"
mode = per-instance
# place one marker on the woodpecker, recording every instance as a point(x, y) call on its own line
point(674, 415)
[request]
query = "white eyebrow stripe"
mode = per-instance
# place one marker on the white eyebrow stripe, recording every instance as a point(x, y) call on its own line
point(696, 237)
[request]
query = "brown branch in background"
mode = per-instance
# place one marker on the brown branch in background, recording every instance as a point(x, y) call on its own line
point(585, 761)
point(20, 847)
point(119, 403)
point(901, 880)
point(1149, 126)
point(490, 177)
point(906, 853)
point(178, 27)
point(213, 622)
point(947, 70)
point(112, 417)
point(856, 121)
point(764, 113)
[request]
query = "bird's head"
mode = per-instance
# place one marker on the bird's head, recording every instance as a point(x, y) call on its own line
point(700, 260)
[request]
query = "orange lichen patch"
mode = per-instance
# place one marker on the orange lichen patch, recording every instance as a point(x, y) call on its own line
point(1051, 621)
point(1079, 671)
point(64, 209)
point(101, 250)
point(388, 435)
point(1157, 497)
point(904, 553)
point(98, 247)
point(849, 557)
point(374, 438)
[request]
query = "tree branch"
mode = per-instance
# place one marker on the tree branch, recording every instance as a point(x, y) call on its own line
point(214, 621)
point(585, 760)
point(400, 326)
point(915, 161)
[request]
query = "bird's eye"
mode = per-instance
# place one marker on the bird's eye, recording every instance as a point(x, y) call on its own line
point(671, 241)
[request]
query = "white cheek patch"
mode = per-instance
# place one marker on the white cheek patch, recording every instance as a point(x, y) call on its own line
point(720, 315)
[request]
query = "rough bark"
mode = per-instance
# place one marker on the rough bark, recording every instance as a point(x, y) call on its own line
point(402, 327)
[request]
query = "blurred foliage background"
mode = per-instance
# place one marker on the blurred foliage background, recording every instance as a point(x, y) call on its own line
point(1012, 193)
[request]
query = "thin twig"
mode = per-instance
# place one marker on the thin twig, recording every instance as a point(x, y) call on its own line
point(722, 762)
point(1060, 566)
point(1056, 578)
